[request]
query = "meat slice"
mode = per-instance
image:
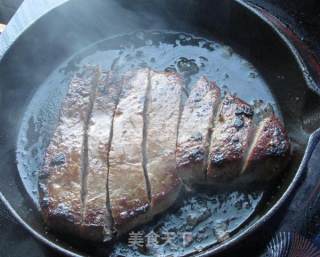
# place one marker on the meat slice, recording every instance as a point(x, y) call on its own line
point(269, 152)
point(60, 180)
point(128, 191)
point(162, 119)
point(97, 216)
point(231, 135)
point(194, 131)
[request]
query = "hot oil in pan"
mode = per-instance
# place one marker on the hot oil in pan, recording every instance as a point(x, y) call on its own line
point(201, 219)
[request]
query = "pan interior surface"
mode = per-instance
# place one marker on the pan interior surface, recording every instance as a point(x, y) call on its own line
point(35, 74)
point(199, 220)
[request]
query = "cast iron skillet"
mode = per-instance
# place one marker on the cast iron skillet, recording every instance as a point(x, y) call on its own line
point(68, 28)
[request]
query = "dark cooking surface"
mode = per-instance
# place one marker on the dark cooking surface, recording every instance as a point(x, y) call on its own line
point(14, 241)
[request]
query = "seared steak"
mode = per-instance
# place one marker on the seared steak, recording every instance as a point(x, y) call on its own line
point(124, 144)
point(269, 152)
point(97, 214)
point(128, 191)
point(195, 130)
point(231, 133)
point(161, 128)
point(60, 180)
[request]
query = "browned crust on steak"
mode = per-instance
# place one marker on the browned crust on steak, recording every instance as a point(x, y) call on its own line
point(269, 152)
point(233, 128)
point(121, 148)
point(195, 131)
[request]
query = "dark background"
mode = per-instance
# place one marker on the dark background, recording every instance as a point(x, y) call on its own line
point(301, 15)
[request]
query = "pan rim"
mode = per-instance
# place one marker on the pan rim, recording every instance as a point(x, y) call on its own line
point(303, 67)
point(312, 142)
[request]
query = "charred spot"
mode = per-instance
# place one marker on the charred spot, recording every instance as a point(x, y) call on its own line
point(228, 99)
point(42, 176)
point(238, 122)
point(63, 211)
point(197, 99)
point(187, 67)
point(171, 68)
point(44, 203)
point(217, 159)
point(58, 160)
point(196, 155)
point(277, 132)
point(197, 136)
point(235, 140)
point(221, 119)
point(244, 110)
point(96, 218)
point(277, 149)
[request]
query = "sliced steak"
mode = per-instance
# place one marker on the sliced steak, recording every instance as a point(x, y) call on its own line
point(269, 152)
point(60, 179)
point(128, 191)
point(122, 145)
point(231, 134)
point(194, 131)
point(162, 119)
point(97, 216)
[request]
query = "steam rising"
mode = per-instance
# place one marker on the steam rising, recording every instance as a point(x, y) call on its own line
point(78, 24)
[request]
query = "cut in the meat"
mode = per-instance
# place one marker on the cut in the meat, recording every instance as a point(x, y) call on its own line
point(128, 190)
point(233, 128)
point(269, 151)
point(162, 119)
point(60, 180)
point(97, 216)
point(195, 130)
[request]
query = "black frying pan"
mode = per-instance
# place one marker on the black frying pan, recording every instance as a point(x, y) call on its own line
point(286, 66)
